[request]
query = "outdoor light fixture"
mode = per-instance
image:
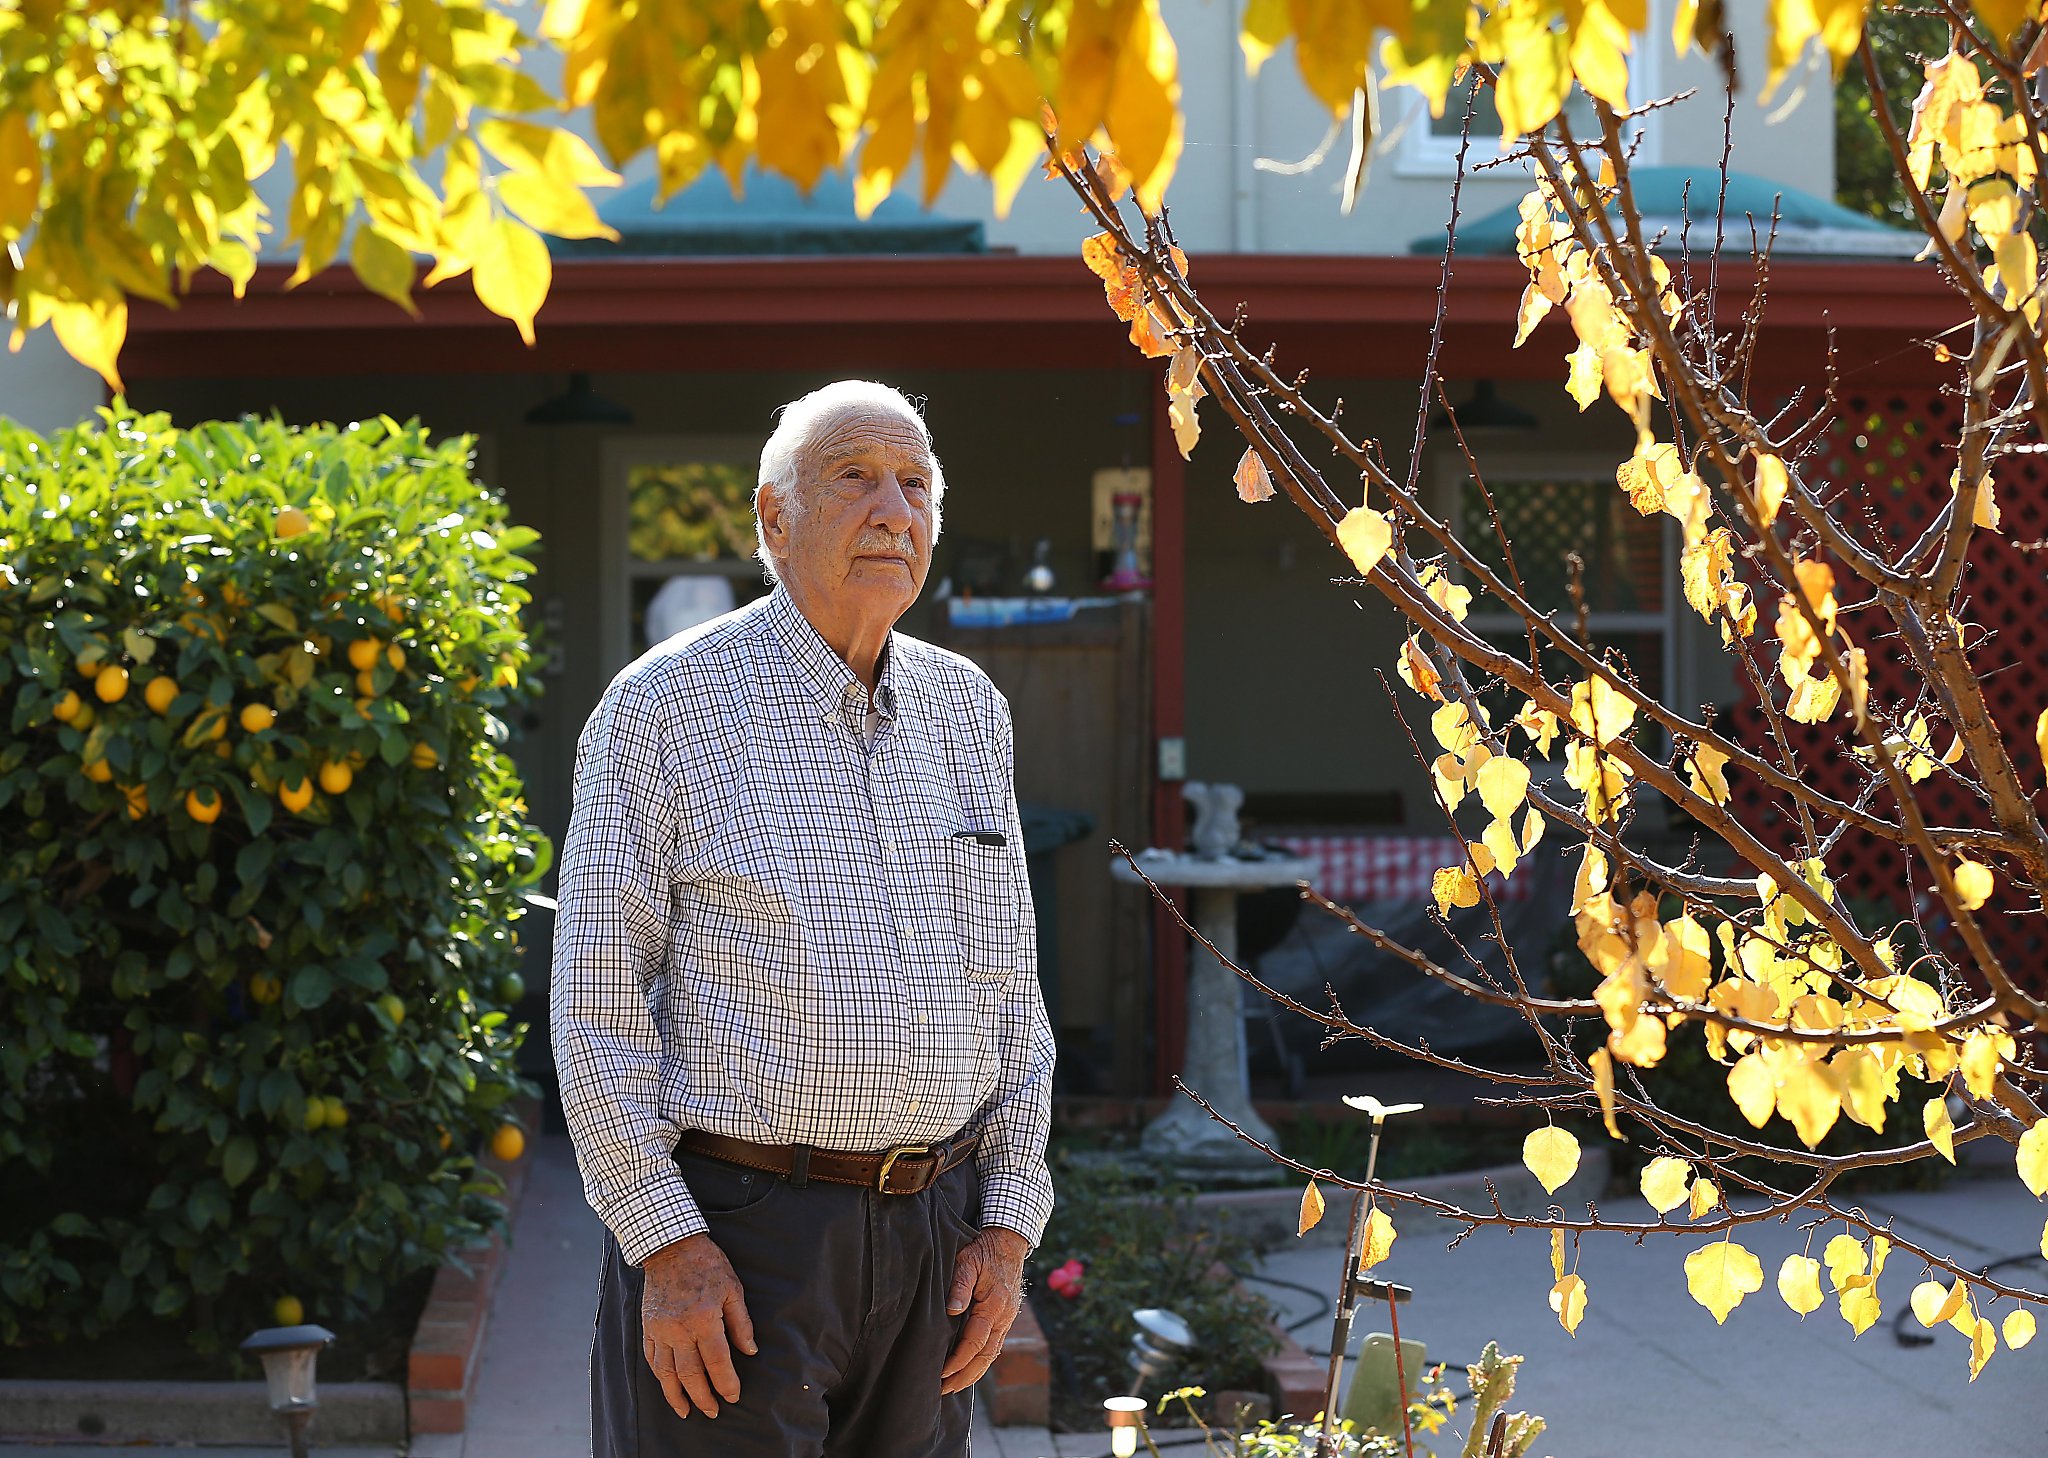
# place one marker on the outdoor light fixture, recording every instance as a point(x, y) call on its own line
point(1126, 1420)
point(288, 1354)
point(1486, 414)
point(579, 405)
point(1160, 1338)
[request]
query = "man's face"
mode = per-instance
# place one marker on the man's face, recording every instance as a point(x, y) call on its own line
point(861, 536)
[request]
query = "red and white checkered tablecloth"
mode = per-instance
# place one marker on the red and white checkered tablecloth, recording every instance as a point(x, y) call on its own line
point(1387, 867)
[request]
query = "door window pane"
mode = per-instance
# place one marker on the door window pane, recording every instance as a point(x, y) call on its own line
point(697, 511)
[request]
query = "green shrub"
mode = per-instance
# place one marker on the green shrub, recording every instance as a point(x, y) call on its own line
point(257, 900)
point(1139, 1250)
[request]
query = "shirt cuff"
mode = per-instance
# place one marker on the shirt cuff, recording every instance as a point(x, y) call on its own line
point(1016, 1205)
point(657, 1214)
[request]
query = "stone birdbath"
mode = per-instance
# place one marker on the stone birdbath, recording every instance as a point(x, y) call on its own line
point(1184, 1139)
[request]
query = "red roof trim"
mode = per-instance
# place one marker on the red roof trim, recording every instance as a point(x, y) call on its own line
point(1002, 311)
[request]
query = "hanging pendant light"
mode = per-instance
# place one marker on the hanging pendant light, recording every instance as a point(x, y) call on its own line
point(579, 405)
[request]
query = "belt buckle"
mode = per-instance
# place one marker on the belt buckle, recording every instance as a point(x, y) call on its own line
point(889, 1162)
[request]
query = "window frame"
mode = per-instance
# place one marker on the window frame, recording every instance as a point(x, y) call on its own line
point(1598, 474)
point(1421, 153)
point(618, 456)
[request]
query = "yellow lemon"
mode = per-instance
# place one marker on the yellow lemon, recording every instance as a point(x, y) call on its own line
point(336, 778)
point(99, 771)
point(289, 1311)
point(67, 707)
point(161, 693)
point(395, 656)
point(257, 717)
point(364, 705)
point(363, 653)
point(265, 987)
point(508, 1143)
point(86, 717)
point(394, 1007)
point(366, 684)
point(223, 749)
point(446, 1139)
point(391, 605)
point(233, 596)
point(468, 684)
point(423, 756)
point(337, 1112)
point(111, 684)
point(90, 657)
point(138, 800)
point(292, 522)
point(216, 722)
point(296, 796)
point(203, 805)
point(316, 1113)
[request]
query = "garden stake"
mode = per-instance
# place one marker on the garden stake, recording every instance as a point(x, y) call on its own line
point(1340, 1333)
point(1400, 1374)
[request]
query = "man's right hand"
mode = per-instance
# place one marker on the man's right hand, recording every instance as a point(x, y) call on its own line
point(690, 1303)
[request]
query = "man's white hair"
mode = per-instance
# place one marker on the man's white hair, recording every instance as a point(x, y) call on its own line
point(789, 453)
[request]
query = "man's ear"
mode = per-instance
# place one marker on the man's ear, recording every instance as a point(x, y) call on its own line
point(768, 507)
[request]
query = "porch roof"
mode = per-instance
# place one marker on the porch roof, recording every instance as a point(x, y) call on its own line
point(1346, 315)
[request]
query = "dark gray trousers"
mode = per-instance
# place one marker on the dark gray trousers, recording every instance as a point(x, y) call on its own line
point(847, 1290)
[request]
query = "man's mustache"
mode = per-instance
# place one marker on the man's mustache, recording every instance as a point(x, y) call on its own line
point(883, 542)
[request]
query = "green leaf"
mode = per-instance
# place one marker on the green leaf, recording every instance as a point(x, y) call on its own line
point(278, 614)
point(384, 266)
point(311, 986)
point(238, 1159)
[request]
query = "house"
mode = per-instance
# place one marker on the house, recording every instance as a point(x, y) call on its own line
point(626, 435)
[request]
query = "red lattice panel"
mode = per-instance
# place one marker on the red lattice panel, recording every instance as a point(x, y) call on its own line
point(1887, 467)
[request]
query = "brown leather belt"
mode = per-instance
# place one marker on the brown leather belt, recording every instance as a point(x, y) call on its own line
point(905, 1170)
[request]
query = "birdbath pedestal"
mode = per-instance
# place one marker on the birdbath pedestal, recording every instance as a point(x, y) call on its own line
point(1185, 1139)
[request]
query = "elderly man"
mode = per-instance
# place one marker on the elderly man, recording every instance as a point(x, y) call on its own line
point(795, 1005)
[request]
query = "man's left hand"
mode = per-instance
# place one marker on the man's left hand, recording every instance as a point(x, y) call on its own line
point(988, 1284)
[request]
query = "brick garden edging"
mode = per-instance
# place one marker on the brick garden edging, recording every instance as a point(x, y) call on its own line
point(448, 1343)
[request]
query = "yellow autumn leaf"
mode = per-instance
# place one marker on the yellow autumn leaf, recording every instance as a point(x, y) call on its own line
point(2019, 1328)
point(1704, 1197)
point(21, 174)
point(1378, 1239)
point(1809, 1096)
point(1983, 1342)
point(511, 273)
point(1974, 884)
point(1552, 1155)
point(1556, 1253)
point(93, 333)
point(1753, 1088)
point(2041, 736)
point(1941, 1130)
point(1253, 481)
point(1568, 1300)
point(1365, 535)
point(1665, 1181)
point(1984, 1053)
point(1934, 1303)
point(1846, 1258)
point(2032, 1160)
point(1706, 768)
point(1454, 886)
point(1311, 1209)
point(1720, 1275)
point(1602, 1064)
point(1859, 1304)
point(1503, 784)
point(1601, 711)
point(1771, 485)
point(551, 205)
point(384, 267)
point(1799, 1284)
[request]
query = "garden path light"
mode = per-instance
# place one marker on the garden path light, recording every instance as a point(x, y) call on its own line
point(289, 1354)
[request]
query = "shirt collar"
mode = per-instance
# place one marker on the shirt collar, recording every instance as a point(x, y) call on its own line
point(836, 688)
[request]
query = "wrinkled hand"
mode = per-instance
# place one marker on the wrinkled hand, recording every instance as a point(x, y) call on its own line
point(690, 1304)
point(988, 1284)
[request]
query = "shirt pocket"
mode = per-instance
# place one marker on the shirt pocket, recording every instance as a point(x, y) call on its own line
point(985, 918)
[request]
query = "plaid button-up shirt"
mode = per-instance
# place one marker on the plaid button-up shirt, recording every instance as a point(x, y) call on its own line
point(771, 926)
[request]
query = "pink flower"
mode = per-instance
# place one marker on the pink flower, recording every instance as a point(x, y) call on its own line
point(1066, 1279)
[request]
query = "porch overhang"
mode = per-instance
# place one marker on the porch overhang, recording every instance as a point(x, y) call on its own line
point(1346, 315)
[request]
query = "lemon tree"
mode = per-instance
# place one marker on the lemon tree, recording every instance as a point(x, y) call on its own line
point(255, 914)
